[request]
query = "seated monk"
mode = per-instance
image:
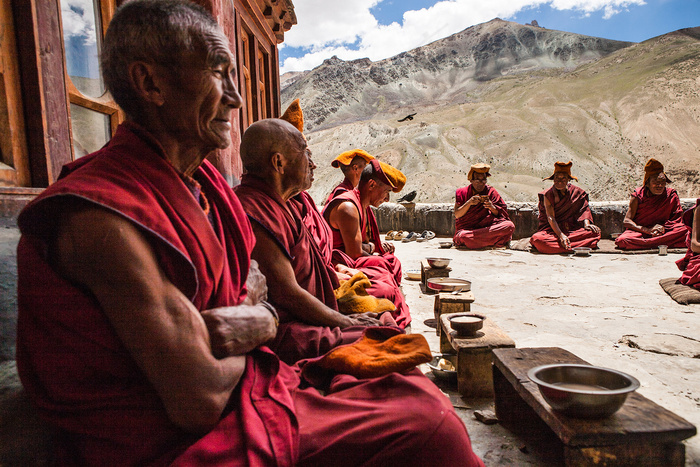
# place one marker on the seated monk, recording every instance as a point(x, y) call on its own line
point(383, 284)
point(351, 163)
point(654, 214)
point(141, 316)
point(278, 166)
point(481, 215)
point(690, 263)
point(565, 218)
point(354, 225)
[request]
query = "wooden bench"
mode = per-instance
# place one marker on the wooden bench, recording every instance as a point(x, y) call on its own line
point(641, 433)
point(451, 303)
point(428, 272)
point(474, 374)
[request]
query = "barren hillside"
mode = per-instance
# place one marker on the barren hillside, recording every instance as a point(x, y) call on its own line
point(520, 98)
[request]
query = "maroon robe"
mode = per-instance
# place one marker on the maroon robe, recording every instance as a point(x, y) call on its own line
point(295, 339)
point(479, 227)
point(664, 209)
point(370, 232)
point(383, 283)
point(569, 211)
point(344, 186)
point(690, 263)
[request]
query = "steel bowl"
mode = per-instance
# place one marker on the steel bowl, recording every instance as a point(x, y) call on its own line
point(466, 324)
point(448, 284)
point(583, 391)
point(614, 235)
point(438, 263)
point(441, 373)
point(582, 251)
point(445, 244)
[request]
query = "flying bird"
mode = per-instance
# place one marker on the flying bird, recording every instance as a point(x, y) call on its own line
point(408, 197)
point(408, 117)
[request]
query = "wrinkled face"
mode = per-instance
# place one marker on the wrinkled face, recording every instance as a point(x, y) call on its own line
point(299, 169)
point(378, 192)
point(202, 97)
point(478, 181)
point(561, 180)
point(657, 184)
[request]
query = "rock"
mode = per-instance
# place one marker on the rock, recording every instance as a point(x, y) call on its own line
point(485, 416)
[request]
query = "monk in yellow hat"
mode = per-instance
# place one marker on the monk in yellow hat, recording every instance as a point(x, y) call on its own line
point(565, 219)
point(481, 215)
point(351, 163)
point(654, 214)
point(354, 226)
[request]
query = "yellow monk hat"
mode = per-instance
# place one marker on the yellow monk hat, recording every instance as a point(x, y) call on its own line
point(294, 115)
point(347, 157)
point(389, 175)
point(652, 169)
point(561, 167)
point(479, 168)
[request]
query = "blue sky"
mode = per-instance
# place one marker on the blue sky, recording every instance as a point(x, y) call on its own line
point(379, 29)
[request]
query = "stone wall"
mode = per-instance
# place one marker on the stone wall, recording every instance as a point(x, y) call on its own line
point(608, 215)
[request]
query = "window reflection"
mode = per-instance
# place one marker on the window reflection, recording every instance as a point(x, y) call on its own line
point(91, 130)
point(82, 38)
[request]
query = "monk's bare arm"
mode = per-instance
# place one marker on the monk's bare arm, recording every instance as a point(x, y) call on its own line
point(284, 288)
point(695, 234)
point(158, 325)
point(346, 219)
point(629, 223)
point(552, 219)
point(461, 209)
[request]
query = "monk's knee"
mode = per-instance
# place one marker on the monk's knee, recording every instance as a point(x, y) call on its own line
point(449, 445)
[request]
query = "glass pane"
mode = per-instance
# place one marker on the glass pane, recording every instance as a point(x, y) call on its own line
point(91, 130)
point(82, 38)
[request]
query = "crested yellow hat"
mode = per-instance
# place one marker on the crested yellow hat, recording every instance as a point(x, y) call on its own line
point(294, 115)
point(389, 175)
point(347, 157)
point(479, 168)
point(653, 168)
point(561, 167)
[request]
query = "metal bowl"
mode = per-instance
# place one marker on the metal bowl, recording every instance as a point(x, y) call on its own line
point(466, 324)
point(441, 373)
point(448, 284)
point(413, 274)
point(582, 251)
point(583, 391)
point(445, 244)
point(438, 263)
point(614, 235)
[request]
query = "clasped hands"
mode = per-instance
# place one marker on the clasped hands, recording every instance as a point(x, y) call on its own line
point(236, 330)
point(655, 231)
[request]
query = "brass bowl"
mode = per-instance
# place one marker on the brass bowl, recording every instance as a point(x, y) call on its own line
point(466, 324)
point(438, 263)
point(583, 391)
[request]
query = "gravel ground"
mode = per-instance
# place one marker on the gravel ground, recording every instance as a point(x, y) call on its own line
point(607, 309)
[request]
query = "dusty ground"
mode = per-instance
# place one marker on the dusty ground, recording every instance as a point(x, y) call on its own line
point(592, 306)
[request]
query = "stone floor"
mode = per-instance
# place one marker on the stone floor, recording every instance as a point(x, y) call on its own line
point(606, 308)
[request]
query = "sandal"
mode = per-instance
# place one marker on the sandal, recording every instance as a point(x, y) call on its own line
point(426, 235)
point(410, 237)
point(390, 235)
point(401, 235)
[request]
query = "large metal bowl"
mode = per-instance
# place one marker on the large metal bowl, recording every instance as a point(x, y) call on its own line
point(583, 391)
point(438, 263)
point(448, 284)
point(441, 373)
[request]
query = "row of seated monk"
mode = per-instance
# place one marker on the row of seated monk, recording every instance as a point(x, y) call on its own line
point(166, 319)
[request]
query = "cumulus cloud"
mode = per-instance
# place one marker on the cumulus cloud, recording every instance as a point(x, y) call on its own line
point(348, 29)
point(78, 18)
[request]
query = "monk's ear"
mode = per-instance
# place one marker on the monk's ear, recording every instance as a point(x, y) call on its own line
point(146, 81)
point(277, 160)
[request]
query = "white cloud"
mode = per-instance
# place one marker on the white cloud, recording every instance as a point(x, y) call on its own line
point(348, 29)
point(78, 18)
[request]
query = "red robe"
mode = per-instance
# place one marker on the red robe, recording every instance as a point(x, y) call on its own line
point(344, 186)
point(478, 227)
point(383, 283)
point(296, 340)
point(569, 211)
point(82, 380)
point(664, 209)
point(690, 263)
point(370, 232)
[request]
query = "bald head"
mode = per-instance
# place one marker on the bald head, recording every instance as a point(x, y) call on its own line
point(264, 138)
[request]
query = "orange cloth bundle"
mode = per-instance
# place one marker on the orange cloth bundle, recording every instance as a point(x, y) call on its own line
point(374, 355)
point(353, 298)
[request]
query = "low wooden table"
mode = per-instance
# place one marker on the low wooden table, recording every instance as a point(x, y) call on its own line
point(641, 433)
point(428, 272)
point(474, 374)
point(448, 302)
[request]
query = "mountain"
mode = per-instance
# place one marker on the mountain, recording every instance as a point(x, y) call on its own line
point(519, 97)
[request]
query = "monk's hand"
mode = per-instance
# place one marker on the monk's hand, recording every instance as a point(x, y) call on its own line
point(365, 319)
point(474, 200)
point(256, 285)
point(592, 227)
point(388, 247)
point(565, 242)
point(657, 230)
point(236, 330)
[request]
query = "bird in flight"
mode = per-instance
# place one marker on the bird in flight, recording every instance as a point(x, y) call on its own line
point(408, 117)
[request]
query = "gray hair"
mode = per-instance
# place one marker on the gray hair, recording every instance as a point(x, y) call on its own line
point(161, 32)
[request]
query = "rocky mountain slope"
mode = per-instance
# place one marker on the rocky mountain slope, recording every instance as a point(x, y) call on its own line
point(518, 97)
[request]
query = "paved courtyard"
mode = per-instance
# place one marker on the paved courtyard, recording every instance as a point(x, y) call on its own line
point(607, 309)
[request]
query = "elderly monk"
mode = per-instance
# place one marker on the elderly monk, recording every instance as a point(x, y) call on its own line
point(690, 263)
point(565, 219)
point(654, 214)
point(481, 215)
point(383, 284)
point(278, 167)
point(141, 317)
point(351, 163)
point(353, 223)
